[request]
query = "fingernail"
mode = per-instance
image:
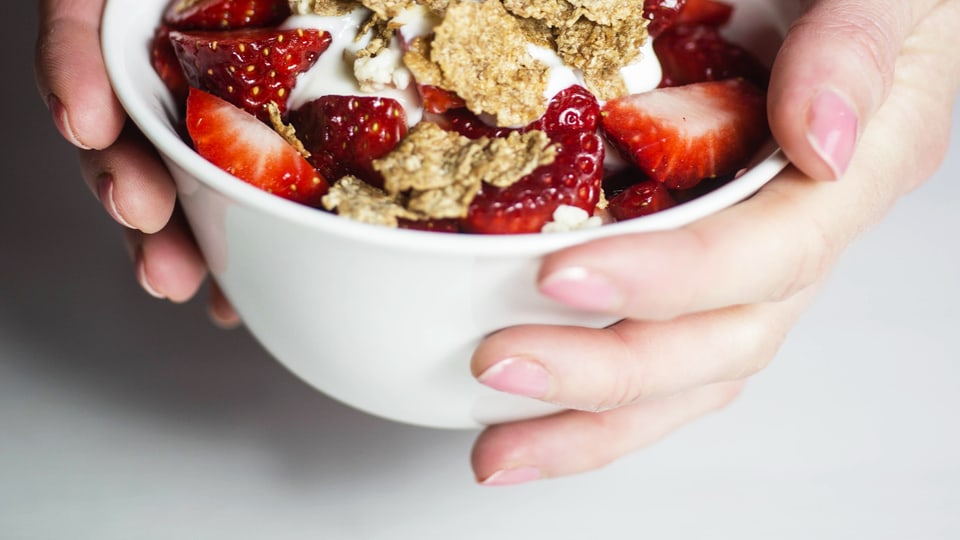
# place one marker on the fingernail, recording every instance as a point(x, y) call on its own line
point(581, 288)
point(142, 278)
point(832, 130)
point(62, 120)
point(105, 185)
point(510, 477)
point(520, 376)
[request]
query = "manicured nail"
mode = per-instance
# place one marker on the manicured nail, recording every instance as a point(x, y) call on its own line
point(142, 278)
point(510, 477)
point(519, 376)
point(62, 120)
point(832, 130)
point(105, 185)
point(581, 288)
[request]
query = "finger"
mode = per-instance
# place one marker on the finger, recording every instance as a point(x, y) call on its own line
point(221, 310)
point(576, 441)
point(834, 70)
point(602, 369)
point(131, 182)
point(789, 234)
point(71, 76)
point(168, 264)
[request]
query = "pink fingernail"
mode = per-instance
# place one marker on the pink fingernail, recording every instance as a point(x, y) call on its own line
point(510, 477)
point(142, 278)
point(519, 376)
point(832, 127)
point(581, 288)
point(62, 120)
point(105, 185)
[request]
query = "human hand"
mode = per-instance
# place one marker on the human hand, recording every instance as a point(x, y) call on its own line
point(117, 163)
point(860, 91)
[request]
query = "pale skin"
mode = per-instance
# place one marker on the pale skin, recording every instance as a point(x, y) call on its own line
point(860, 101)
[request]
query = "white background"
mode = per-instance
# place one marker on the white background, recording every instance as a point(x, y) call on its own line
point(124, 417)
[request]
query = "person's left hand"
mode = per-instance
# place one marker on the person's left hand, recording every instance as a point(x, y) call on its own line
point(709, 304)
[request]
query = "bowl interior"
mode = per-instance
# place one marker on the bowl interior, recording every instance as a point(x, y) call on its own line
point(129, 25)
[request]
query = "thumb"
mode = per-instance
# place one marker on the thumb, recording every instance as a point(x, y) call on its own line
point(833, 71)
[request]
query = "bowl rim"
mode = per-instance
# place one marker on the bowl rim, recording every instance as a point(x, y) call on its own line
point(120, 40)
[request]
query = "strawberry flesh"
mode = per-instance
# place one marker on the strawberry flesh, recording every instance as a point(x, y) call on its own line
point(644, 198)
point(706, 12)
point(436, 100)
point(165, 63)
point(698, 53)
point(344, 134)
point(682, 135)
point(225, 14)
point(661, 14)
point(574, 178)
point(245, 147)
point(249, 68)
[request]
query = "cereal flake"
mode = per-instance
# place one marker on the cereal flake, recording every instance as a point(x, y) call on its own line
point(357, 200)
point(441, 171)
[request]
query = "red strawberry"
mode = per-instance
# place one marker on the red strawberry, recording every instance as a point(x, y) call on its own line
point(708, 12)
point(661, 14)
point(345, 134)
point(431, 225)
point(225, 14)
point(679, 136)
point(436, 100)
point(526, 206)
point(697, 53)
point(572, 110)
point(245, 147)
point(249, 68)
point(165, 63)
point(640, 199)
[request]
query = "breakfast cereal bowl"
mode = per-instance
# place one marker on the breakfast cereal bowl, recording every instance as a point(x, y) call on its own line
point(382, 319)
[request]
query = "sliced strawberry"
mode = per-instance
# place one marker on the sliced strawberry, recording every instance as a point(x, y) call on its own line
point(225, 14)
point(679, 136)
point(345, 134)
point(573, 109)
point(249, 68)
point(661, 14)
point(431, 225)
point(641, 199)
point(697, 53)
point(436, 100)
point(526, 206)
point(165, 63)
point(707, 12)
point(245, 147)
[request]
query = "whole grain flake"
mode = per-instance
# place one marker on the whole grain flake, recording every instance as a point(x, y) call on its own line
point(440, 172)
point(355, 199)
point(482, 53)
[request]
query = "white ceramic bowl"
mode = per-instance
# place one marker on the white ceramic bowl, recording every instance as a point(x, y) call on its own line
point(383, 320)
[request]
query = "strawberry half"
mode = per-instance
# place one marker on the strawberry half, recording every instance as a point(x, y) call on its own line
point(697, 53)
point(249, 68)
point(681, 135)
point(245, 147)
point(344, 134)
point(647, 197)
point(661, 14)
point(225, 14)
point(574, 109)
point(165, 63)
point(707, 12)
point(573, 178)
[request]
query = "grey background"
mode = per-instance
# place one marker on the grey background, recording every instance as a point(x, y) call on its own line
point(124, 417)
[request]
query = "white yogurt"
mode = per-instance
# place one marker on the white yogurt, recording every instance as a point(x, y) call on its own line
point(385, 76)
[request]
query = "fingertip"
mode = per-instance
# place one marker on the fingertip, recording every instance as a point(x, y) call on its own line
point(833, 70)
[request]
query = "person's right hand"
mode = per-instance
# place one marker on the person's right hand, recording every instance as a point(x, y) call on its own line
point(119, 165)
